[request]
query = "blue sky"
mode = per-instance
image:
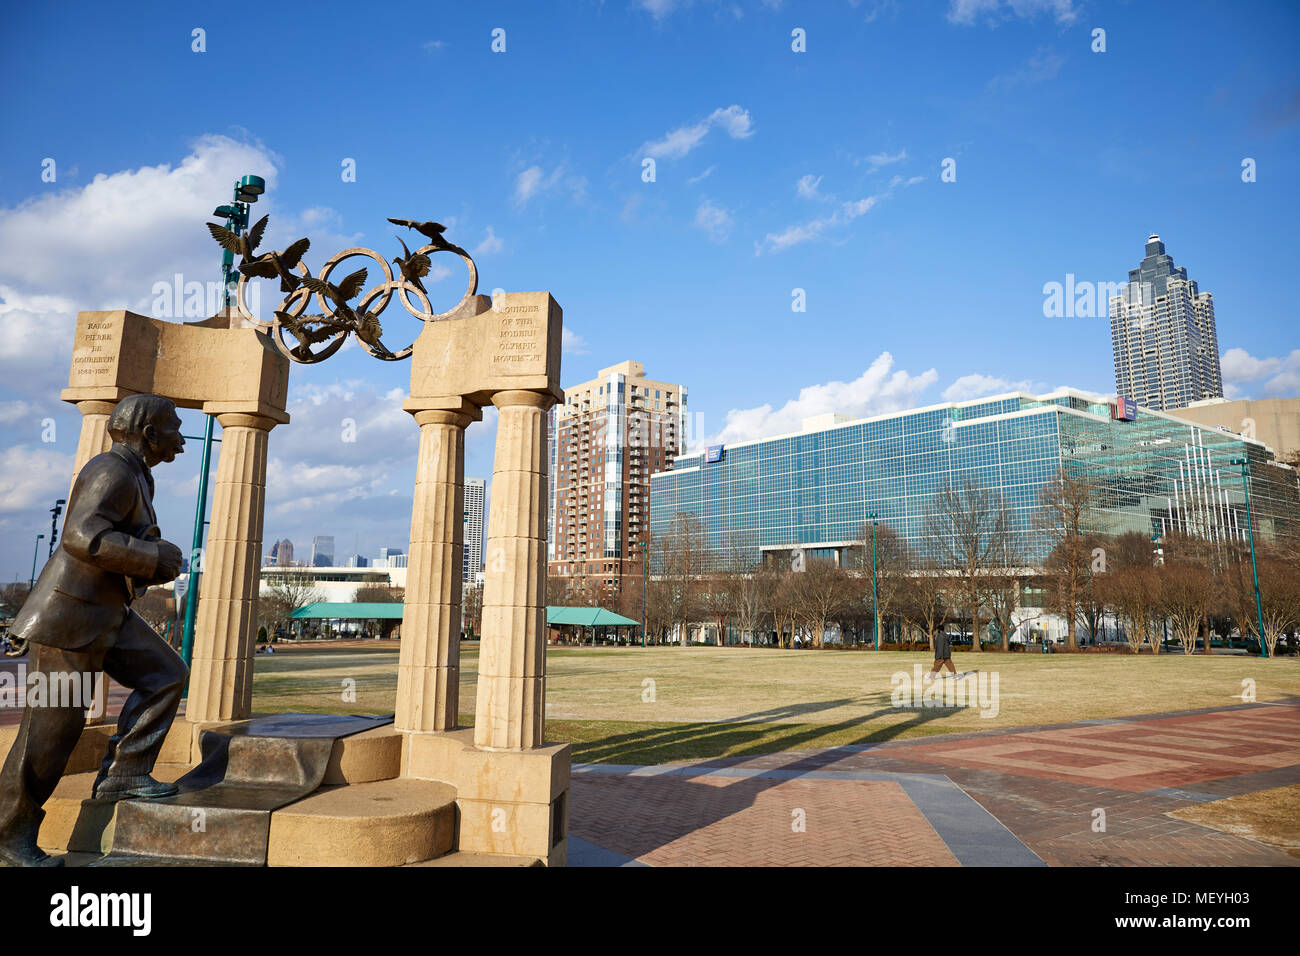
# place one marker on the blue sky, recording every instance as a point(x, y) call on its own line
point(774, 171)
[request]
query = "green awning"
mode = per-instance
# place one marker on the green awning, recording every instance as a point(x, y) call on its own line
point(587, 617)
point(363, 611)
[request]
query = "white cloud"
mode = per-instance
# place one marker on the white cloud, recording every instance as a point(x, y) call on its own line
point(980, 386)
point(1279, 377)
point(677, 143)
point(433, 46)
point(878, 160)
point(659, 9)
point(713, 220)
point(527, 183)
point(491, 243)
point(534, 181)
point(31, 477)
point(701, 177)
point(1043, 65)
point(815, 228)
point(571, 343)
point(966, 12)
point(806, 232)
point(807, 185)
point(876, 391)
point(104, 245)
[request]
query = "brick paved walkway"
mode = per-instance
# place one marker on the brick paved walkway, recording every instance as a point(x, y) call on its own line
point(1052, 789)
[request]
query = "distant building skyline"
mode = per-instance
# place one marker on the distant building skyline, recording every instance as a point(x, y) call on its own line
point(322, 551)
point(1163, 335)
point(475, 495)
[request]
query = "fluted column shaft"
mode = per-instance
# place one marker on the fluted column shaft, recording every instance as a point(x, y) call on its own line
point(512, 660)
point(428, 665)
point(221, 674)
point(94, 434)
point(94, 440)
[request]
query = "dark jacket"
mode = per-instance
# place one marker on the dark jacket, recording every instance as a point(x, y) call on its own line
point(84, 589)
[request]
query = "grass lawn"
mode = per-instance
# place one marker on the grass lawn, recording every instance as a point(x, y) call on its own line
point(661, 704)
point(1269, 816)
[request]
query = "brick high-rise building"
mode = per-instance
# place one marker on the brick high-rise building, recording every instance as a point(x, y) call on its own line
point(1164, 337)
point(607, 438)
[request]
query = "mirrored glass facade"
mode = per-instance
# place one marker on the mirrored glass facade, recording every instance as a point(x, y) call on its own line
point(816, 489)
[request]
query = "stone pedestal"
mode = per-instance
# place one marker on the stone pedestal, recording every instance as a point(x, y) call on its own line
point(221, 674)
point(512, 660)
point(428, 667)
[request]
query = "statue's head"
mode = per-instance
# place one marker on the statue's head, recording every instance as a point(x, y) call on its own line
point(149, 425)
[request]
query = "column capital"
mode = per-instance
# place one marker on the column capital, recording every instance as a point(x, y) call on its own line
point(96, 407)
point(246, 420)
point(441, 416)
point(519, 396)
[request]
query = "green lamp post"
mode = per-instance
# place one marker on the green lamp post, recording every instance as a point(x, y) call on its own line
point(644, 565)
point(1244, 462)
point(246, 191)
point(35, 554)
point(875, 591)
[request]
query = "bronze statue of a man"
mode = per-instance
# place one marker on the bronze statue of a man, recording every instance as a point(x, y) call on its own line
point(78, 620)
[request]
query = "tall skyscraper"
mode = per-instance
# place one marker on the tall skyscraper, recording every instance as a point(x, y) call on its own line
point(282, 553)
point(322, 551)
point(1163, 334)
point(607, 438)
point(475, 489)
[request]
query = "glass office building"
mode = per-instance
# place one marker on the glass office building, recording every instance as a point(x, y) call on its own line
point(814, 490)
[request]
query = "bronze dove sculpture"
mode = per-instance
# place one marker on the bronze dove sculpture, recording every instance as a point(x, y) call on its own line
point(273, 264)
point(240, 245)
point(433, 230)
point(413, 266)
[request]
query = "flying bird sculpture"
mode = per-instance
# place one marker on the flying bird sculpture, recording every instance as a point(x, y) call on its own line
point(414, 266)
point(243, 244)
point(431, 230)
point(272, 264)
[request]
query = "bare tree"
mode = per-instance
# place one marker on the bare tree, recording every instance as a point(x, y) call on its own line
point(749, 584)
point(821, 590)
point(1067, 502)
point(1185, 593)
point(784, 602)
point(970, 525)
point(925, 605)
point(891, 559)
point(471, 610)
point(289, 593)
point(683, 549)
point(1279, 590)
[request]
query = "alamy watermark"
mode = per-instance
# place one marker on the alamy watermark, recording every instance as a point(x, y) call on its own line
point(1082, 299)
point(59, 689)
point(975, 689)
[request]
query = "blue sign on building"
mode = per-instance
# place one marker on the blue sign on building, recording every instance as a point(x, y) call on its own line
point(714, 453)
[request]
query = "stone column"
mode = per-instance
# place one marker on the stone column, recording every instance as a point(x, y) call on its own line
point(512, 662)
point(221, 678)
point(94, 434)
point(428, 664)
point(94, 440)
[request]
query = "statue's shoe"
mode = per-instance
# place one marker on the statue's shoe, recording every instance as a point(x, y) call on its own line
point(27, 856)
point(136, 788)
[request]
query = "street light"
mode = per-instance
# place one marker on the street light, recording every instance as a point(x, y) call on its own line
point(246, 191)
point(54, 522)
point(1244, 462)
point(35, 554)
point(644, 565)
point(875, 596)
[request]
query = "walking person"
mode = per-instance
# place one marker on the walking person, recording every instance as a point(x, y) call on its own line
point(942, 655)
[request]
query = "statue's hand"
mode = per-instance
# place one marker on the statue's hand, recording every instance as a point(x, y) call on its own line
point(169, 561)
